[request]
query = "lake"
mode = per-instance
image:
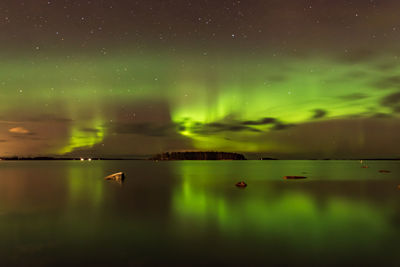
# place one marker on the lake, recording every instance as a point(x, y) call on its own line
point(190, 212)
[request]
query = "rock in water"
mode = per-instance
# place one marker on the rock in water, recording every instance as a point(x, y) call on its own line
point(384, 171)
point(241, 184)
point(119, 177)
point(294, 177)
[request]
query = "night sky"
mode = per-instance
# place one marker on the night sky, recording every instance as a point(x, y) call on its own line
point(286, 79)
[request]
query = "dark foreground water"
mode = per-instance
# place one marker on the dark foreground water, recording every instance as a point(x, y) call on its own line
point(190, 212)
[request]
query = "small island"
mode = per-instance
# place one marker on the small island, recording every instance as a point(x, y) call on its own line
point(198, 156)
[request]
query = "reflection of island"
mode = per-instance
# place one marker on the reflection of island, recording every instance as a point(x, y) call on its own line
point(198, 156)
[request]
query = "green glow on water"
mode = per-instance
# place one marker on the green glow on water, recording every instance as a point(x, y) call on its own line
point(85, 185)
point(290, 214)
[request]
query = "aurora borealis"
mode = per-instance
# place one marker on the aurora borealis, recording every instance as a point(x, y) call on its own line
point(287, 79)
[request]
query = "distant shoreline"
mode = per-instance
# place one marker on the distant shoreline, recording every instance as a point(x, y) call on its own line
point(51, 158)
point(198, 155)
point(152, 159)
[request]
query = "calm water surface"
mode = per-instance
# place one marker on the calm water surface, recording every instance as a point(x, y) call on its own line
point(190, 212)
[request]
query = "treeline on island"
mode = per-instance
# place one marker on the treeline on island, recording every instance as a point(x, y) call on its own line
point(198, 156)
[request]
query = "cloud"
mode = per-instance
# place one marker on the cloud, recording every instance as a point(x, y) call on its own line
point(387, 82)
point(172, 129)
point(354, 96)
point(282, 126)
point(238, 126)
point(90, 130)
point(380, 115)
point(392, 101)
point(387, 66)
point(276, 124)
point(217, 127)
point(22, 133)
point(396, 109)
point(263, 121)
point(19, 130)
point(3, 141)
point(319, 113)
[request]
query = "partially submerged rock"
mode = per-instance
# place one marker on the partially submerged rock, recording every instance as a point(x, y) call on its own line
point(364, 166)
point(290, 177)
point(118, 177)
point(384, 171)
point(241, 184)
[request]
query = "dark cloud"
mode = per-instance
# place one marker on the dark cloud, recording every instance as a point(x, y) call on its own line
point(387, 82)
point(381, 116)
point(171, 129)
point(217, 127)
point(212, 124)
point(387, 66)
point(391, 100)
point(3, 141)
point(282, 126)
point(354, 96)
point(396, 109)
point(90, 130)
point(319, 113)
point(239, 126)
point(343, 140)
point(371, 113)
point(263, 121)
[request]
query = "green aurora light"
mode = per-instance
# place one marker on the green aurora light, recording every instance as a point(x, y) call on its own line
point(93, 92)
